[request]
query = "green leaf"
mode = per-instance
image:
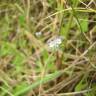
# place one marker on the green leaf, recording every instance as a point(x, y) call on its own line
point(81, 85)
point(84, 25)
point(22, 20)
point(63, 31)
point(10, 49)
point(19, 87)
point(37, 83)
point(51, 2)
point(4, 90)
point(75, 2)
point(7, 49)
point(92, 92)
point(83, 18)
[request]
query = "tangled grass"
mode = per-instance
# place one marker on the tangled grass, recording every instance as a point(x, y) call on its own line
point(29, 63)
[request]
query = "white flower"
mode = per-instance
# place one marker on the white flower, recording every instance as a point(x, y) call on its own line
point(55, 42)
point(38, 34)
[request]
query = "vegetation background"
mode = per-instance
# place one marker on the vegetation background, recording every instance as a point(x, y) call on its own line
point(33, 61)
